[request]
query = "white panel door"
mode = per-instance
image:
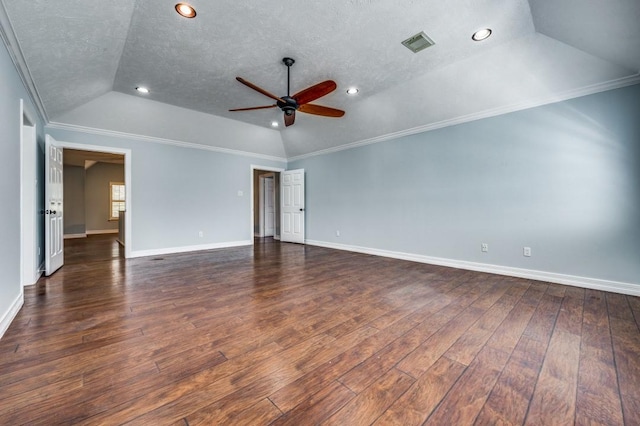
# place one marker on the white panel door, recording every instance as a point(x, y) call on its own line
point(269, 207)
point(53, 193)
point(292, 196)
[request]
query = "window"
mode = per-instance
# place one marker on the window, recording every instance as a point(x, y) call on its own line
point(117, 199)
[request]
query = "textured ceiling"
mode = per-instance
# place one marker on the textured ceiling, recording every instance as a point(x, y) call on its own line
point(77, 55)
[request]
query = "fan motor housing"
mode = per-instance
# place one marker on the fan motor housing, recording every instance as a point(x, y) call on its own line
point(289, 106)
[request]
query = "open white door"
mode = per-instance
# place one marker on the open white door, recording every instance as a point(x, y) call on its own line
point(292, 196)
point(53, 196)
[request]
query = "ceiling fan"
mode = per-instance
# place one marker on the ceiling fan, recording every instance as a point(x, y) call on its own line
point(298, 102)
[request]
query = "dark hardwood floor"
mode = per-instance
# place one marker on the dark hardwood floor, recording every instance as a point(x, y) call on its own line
point(290, 334)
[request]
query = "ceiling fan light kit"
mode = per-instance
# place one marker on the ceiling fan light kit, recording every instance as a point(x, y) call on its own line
point(299, 101)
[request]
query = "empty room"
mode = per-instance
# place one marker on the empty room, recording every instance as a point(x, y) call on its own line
point(329, 212)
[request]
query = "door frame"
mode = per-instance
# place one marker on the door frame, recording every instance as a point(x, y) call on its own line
point(29, 243)
point(128, 214)
point(253, 168)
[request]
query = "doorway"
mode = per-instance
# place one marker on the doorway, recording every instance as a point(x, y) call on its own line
point(266, 211)
point(91, 179)
point(265, 202)
point(109, 152)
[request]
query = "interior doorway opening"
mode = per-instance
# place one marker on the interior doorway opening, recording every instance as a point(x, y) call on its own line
point(91, 178)
point(124, 227)
point(265, 202)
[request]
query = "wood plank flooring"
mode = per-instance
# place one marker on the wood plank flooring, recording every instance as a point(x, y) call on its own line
point(285, 334)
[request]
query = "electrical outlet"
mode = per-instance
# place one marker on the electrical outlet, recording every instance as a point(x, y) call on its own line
point(337, 233)
point(484, 247)
point(526, 251)
point(240, 193)
point(200, 234)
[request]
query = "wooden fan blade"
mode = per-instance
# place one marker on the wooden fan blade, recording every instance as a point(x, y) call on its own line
point(314, 92)
point(252, 108)
point(289, 119)
point(259, 89)
point(321, 110)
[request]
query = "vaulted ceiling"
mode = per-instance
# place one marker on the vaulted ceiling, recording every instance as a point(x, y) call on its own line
point(85, 58)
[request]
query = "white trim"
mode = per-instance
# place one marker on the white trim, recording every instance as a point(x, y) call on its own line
point(127, 182)
point(28, 195)
point(10, 315)
point(564, 96)
point(572, 280)
point(72, 236)
point(184, 249)
point(102, 231)
point(113, 133)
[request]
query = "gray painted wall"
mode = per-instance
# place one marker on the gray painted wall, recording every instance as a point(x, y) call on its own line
point(97, 179)
point(563, 179)
point(178, 192)
point(74, 212)
point(11, 91)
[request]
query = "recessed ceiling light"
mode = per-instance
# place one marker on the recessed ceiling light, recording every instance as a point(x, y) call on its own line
point(274, 124)
point(482, 34)
point(142, 89)
point(352, 91)
point(186, 10)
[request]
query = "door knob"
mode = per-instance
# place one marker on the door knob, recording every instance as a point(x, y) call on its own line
point(301, 210)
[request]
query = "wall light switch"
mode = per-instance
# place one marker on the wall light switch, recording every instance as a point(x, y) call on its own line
point(240, 193)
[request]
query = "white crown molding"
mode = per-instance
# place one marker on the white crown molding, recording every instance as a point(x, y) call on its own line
point(153, 139)
point(559, 97)
point(10, 40)
point(184, 249)
point(11, 313)
point(552, 277)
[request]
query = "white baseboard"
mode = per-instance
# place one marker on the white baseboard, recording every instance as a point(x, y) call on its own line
point(552, 277)
point(71, 236)
point(184, 249)
point(102, 231)
point(37, 275)
point(11, 313)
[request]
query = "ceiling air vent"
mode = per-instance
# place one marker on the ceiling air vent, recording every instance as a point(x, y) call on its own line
point(418, 42)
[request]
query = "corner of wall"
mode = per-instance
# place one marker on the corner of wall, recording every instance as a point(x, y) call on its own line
point(11, 313)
